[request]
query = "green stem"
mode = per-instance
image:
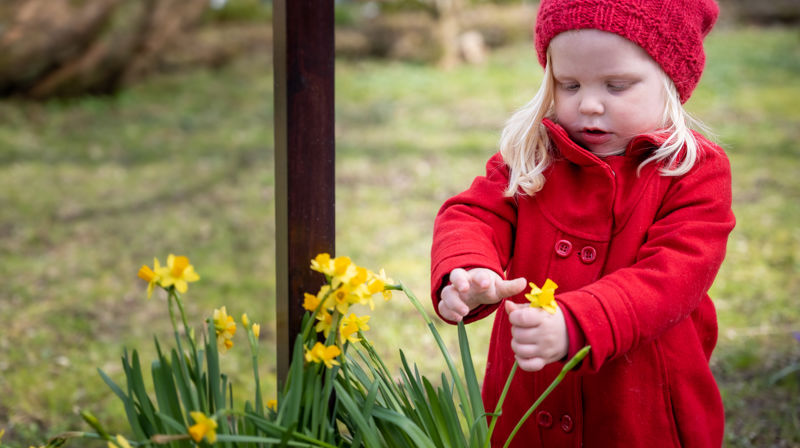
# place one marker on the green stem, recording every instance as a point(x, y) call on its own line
point(462, 393)
point(183, 319)
point(567, 367)
point(498, 409)
point(182, 361)
point(257, 376)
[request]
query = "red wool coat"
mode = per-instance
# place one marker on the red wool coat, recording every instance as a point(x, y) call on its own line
point(634, 257)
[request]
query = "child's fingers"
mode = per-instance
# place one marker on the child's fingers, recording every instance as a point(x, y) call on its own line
point(451, 307)
point(459, 278)
point(512, 306)
point(531, 364)
point(481, 278)
point(523, 316)
point(508, 288)
point(523, 350)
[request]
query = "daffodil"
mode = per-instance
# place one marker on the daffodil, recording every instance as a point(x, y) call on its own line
point(122, 442)
point(382, 277)
point(342, 298)
point(322, 263)
point(350, 326)
point(255, 327)
point(225, 328)
point(341, 266)
point(311, 302)
point(177, 272)
point(203, 427)
point(272, 405)
point(150, 276)
point(325, 322)
point(322, 354)
point(543, 297)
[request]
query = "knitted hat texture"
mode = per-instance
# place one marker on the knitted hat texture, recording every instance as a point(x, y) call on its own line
point(670, 31)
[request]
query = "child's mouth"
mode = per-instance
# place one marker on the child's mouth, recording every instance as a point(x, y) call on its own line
point(594, 131)
point(594, 136)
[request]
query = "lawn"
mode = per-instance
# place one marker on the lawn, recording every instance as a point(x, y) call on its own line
point(92, 188)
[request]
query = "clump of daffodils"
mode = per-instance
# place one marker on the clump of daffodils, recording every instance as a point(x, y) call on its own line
point(347, 284)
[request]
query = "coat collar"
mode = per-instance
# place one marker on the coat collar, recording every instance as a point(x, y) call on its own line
point(638, 146)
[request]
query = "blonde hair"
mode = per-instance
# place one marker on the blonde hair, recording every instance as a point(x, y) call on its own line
point(526, 148)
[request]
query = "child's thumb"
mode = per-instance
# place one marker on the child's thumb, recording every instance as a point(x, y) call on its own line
point(511, 306)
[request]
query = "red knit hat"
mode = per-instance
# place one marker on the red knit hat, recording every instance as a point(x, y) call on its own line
point(670, 31)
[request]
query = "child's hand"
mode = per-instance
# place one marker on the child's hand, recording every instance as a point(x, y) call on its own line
point(537, 337)
point(479, 286)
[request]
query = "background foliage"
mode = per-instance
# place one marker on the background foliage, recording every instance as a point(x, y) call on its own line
point(91, 188)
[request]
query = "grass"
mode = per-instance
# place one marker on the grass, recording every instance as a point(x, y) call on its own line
point(90, 189)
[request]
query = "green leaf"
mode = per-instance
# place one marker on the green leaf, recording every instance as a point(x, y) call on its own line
point(420, 439)
point(189, 401)
point(361, 422)
point(127, 402)
point(448, 404)
point(165, 389)
point(438, 429)
point(480, 426)
point(178, 427)
point(136, 382)
point(216, 391)
point(289, 410)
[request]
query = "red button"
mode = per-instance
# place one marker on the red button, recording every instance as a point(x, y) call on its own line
point(588, 254)
point(563, 248)
point(544, 419)
point(566, 423)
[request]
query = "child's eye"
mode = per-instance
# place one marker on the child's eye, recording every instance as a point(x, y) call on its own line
point(570, 86)
point(618, 86)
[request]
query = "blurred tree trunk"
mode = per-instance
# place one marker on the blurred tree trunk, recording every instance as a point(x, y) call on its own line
point(446, 13)
point(71, 47)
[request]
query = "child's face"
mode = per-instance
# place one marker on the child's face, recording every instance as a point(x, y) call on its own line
point(607, 89)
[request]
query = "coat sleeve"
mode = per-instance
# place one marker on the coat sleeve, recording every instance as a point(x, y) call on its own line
point(474, 229)
point(673, 271)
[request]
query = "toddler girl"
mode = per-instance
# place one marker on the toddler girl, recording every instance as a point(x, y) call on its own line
point(601, 186)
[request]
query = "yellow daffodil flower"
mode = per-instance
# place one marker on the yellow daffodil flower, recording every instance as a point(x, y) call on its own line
point(272, 405)
point(203, 427)
point(325, 322)
point(341, 266)
point(543, 297)
point(122, 442)
point(350, 326)
point(256, 330)
point(177, 272)
point(225, 327)
point(322, 263)
point(384, 280)
point(245, 320)
point(361, 276)
point(150, 276)
point(342, 298)
point(320, 353)
point(311, 302)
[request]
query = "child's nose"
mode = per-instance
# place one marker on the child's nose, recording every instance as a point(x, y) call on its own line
point(590, 105)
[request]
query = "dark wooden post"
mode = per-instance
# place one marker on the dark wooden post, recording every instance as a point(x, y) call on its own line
point(304, 157)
